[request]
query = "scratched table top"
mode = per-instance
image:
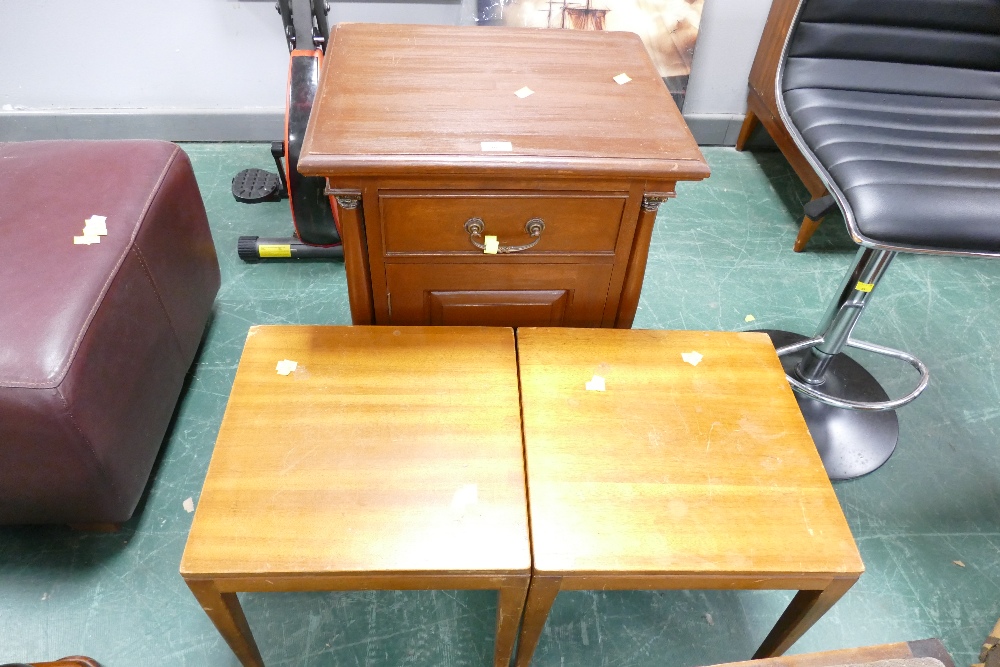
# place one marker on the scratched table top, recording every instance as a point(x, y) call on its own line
point(684, 463)
point(385, 450)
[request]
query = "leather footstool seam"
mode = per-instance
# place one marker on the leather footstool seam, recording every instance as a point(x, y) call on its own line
point(108, 478)
point(159, 298)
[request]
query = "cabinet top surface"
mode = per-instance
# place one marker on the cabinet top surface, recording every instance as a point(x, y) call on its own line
point(439, 98)
point(386, 450)
point(674, 468)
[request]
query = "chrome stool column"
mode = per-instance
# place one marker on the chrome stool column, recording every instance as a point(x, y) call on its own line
point(849, 414)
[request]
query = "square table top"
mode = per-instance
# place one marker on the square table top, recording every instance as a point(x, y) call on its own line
point(675, 468)
point(407, 97)
point(387, 450)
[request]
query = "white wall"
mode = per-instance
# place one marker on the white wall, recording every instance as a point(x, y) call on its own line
point(139, 67)
point(727, 42)
point(170, 54)
point(717, 92)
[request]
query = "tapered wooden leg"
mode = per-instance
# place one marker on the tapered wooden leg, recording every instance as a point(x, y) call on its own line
point(541, 594)
point(750, 123)
point(632, 287)
point(227, 615)
point(510, 607)
point(806, 230)
point(805, 609)
point(352, 228)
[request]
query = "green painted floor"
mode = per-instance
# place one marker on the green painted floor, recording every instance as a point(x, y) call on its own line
point(721, 251)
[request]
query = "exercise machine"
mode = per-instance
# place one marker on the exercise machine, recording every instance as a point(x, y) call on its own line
point(314, 218)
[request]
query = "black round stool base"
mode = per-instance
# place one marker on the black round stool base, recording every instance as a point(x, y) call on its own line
point(851, 443)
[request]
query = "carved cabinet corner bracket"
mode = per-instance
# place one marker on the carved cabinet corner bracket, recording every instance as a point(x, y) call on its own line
point(346, 199)
point(652, 202)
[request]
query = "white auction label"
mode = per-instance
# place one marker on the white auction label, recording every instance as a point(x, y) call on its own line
point(495, 146)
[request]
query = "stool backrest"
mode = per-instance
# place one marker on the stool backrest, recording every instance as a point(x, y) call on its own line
point(946, 48)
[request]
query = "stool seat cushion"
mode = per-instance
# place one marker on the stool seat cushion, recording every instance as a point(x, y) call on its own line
point(899, 101)
point(918, 171)
point(97, 338)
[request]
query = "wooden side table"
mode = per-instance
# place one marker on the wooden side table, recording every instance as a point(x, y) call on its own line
point(434, 138)
point(692, 469)
point(388, 459)
point(762, 108)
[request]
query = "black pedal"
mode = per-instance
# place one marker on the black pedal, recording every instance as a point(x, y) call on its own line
point(252, 186)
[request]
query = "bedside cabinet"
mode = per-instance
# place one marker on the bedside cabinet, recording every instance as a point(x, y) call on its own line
point(436, 140)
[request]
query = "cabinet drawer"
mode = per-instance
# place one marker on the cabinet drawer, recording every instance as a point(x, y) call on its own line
point(434, 223)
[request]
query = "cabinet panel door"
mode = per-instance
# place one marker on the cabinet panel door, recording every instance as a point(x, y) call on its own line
point(509, 295)
point(530, 308)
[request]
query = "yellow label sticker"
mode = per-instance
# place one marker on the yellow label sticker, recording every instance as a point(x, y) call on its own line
point(492, 245)
point(274, 250)
point(864, 287)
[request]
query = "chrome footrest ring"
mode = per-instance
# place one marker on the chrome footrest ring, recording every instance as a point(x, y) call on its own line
point(847, 404)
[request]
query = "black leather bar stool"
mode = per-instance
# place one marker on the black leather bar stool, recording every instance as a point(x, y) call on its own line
point(896, 103)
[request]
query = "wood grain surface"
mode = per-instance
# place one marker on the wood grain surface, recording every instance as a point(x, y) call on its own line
point(395, 98)
point(387, 450)
point(923, 648)
point(675, 468)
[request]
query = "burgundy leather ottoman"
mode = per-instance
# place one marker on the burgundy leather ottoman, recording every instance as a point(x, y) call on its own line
point(95, 340)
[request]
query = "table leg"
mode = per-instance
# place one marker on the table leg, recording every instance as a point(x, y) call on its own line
point(510, 606)
point(541, 594)
point(227, 615)
point(805, 609)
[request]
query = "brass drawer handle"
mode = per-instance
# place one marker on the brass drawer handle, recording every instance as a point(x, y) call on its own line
point(534, 227)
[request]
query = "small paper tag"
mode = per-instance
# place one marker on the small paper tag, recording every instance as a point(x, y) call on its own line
point(188, 505)
point(749, 318)
point(693, 358)
point(524, 92)
point(492, 245)
point(495, 146)
point(86, 239)
point(596, 383)
point(95, 226)
point(622, 79)
point(466, 496)
point(286, 366)
point(864, 287)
